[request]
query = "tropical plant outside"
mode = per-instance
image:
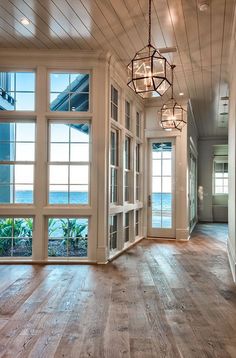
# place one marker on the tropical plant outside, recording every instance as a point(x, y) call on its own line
point(16, 236)
point(67, 237)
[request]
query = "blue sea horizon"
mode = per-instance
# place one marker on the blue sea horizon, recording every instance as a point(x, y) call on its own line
point(26, 197)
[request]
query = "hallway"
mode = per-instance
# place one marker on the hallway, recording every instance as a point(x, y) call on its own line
point(160, 299)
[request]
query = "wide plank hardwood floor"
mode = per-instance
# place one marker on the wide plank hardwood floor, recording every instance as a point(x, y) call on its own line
point(160, 299)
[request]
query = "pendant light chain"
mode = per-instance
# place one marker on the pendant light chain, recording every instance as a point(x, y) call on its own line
point(149, 72)
point(150, 22)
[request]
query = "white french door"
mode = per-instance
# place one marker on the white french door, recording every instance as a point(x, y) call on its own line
point(161, 192)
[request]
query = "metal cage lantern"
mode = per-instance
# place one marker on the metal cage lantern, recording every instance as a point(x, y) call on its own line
point(173, 115)
point(149, 73)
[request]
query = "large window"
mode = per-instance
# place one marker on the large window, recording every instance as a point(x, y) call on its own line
point(17, 91)
point(16, 237)
point(127, 168)
point(221, 178)
point(69, 162)
point(69, 92)
point(67, 237)
point(17, 155)
point(127, 115)
point(114, 103)
point(114, 145)
point(113, 232)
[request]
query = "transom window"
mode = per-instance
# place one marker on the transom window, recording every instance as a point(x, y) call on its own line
point(17, 156)
point(67, 237)
point(17, 91)
point(127, 114)
point(69, 162)
point(114, 103)
point(221, 178)
point(69, 92)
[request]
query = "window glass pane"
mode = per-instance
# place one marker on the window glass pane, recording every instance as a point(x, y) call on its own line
point(166, 167)
point(25, 132)
point(68, 237)
point(58, 174)
point(58, 194)
point(69, 92)
point(16, 237)
point(79, 152)
point(59, 152)
point(25, 81)
point(18, 91)
point(78, 194)
point(219, 190)
point(23, 194)
point(166, 185)
point(24, 174)
point(59, 82)
point(74, 147)
point(79, 102)
point(59, 132)
point(24, 101)
point(219, 182)
point(25, 151)
point(6, 194)
point(79, 174)
point(156, 185)
point(7, 151)
point(80, 132)
point(7, 132)
point(156, 167)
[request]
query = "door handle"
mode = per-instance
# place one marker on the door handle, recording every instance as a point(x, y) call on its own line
point(149, 200)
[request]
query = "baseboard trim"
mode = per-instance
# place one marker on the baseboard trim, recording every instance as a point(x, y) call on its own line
point(182, 234)
point(231, 259)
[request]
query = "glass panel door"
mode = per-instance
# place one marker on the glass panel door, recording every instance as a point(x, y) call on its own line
point(161, 189)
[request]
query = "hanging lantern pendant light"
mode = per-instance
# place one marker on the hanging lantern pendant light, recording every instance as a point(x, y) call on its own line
point(149, 73)
point(172, 113)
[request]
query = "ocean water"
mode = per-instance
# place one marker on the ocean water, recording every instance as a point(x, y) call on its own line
point(26, 197)
point(161, 204)
point(162, 210)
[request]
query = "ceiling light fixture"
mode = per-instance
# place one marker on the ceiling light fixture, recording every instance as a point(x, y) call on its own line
point(149, 72)
point(172, 113)
point(25, 21)
point(181, 94)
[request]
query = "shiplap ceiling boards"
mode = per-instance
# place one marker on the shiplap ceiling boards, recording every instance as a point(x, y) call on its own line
point(202, 40)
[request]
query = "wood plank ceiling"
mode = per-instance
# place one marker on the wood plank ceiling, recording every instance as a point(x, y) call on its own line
point(202, 40)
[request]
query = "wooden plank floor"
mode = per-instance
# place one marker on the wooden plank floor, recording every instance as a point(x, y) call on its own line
point(161, 299)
